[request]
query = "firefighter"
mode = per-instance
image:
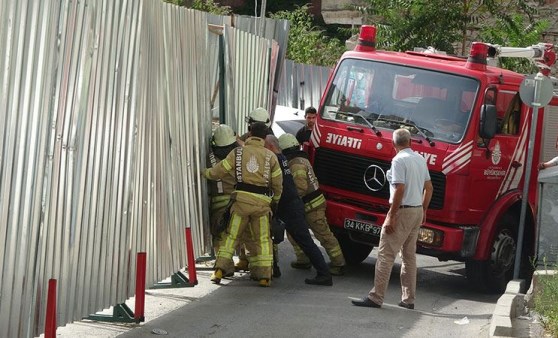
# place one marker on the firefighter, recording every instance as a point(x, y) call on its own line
point(314, 204)
point(291, 211)
point(222, 143)
point(257, 115)
point(259, 181)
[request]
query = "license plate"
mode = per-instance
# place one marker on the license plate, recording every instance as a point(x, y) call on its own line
point(360, 226)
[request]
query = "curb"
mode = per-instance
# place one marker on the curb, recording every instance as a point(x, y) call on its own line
point(509, 306)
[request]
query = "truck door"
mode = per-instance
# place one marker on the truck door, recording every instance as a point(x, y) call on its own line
point(500, 162)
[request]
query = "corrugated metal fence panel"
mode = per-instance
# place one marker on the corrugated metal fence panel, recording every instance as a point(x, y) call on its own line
point(277, 30)
point(105, 120)
point(302, 85)
point(25, 70)
point(248, 60)
point(550, 139)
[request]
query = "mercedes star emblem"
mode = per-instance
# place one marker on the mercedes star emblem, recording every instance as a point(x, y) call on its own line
point(374, 178)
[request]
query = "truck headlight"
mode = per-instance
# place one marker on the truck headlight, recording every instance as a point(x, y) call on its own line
point(430, 237)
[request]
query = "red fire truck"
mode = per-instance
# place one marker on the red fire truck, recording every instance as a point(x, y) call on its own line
point(467, 120)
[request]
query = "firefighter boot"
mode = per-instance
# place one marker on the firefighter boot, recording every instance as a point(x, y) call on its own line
point(264, 282)
point(336, 270)
point(216, 276)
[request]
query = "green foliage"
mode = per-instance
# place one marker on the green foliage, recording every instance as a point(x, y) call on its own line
point(307, 43)
point(209, 6)
point(405, 24)
point(272, 6)
point(515, 33)
point(445, 24)
point(546, 302)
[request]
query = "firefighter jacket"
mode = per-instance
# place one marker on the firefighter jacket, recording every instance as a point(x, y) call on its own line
point(220, 189)
point(305, 180)
point(255, 170)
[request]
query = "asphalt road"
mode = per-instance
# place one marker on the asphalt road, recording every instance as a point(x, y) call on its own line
point(445, 306)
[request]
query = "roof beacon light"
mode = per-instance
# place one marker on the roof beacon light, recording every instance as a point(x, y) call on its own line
point(366, 39)
point(477, 56)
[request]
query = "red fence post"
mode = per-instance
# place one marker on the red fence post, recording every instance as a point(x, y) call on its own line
point(139, 315)
point(191, 261)
point(50, 321)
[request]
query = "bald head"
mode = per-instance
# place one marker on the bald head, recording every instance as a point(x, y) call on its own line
point(272, 143)
point(402, 138)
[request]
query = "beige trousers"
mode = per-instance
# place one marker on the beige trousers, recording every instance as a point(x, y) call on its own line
point(404, 239)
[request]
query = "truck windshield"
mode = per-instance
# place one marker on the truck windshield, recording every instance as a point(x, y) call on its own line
point(393, 96)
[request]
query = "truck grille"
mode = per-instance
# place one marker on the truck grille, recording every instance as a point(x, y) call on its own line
point(346, 171)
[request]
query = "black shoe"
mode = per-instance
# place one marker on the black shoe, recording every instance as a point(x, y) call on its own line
point(276, 271)
point(319, 280)
point(407, 306)
point(366, 302)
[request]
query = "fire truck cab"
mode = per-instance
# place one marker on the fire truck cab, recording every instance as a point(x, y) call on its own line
point(467, 119)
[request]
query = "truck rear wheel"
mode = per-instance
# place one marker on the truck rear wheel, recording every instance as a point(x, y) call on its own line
point(354, 252)
point(493, 274)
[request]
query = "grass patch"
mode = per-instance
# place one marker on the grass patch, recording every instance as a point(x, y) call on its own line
point(546, 301)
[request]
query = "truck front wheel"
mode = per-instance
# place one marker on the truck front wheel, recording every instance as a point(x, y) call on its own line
point(492, 275)
point(354, 252)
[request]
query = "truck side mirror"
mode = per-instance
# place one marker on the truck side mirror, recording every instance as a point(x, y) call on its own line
point(488, 121)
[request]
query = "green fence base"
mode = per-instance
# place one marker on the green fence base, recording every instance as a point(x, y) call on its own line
point(178, 280)
point(206, 258)
point(121, 313)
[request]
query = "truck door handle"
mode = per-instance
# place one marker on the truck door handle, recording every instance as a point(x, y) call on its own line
point(360, 130)
point(516, 164)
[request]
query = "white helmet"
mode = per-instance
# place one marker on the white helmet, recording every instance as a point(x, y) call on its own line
point(287, 141)
point(224, 136)
point(258, 115)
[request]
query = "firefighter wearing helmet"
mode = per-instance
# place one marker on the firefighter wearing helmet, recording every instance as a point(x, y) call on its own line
point(259, 114)
point(308, 189)
point(222, 143)
point(259, 184)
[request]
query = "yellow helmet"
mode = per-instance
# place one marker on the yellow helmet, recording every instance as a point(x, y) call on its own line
point(287, 141)
point(259, 114)
point(223, 136)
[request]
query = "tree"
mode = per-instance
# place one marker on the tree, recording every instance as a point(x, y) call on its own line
point(307, 43)
point(442, 24)
point(517, 35)
point(405, 24)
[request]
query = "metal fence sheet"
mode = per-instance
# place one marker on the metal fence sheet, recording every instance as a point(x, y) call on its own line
point(104, 119)
point(302, 85)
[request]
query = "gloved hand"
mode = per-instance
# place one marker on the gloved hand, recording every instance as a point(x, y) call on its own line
point(277, 230)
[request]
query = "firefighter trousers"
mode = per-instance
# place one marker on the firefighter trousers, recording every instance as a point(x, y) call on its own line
point(317, 221)
point(250, 221)
point(298, 231)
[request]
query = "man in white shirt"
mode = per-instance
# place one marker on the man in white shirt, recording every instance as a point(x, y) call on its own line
point(410, 194)
point(548, 164)
point(551, 163)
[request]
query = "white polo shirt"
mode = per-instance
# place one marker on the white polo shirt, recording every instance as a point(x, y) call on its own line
point(409, 168)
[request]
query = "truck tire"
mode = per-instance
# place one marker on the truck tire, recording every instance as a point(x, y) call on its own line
point(493, 274)
point(354, 252)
